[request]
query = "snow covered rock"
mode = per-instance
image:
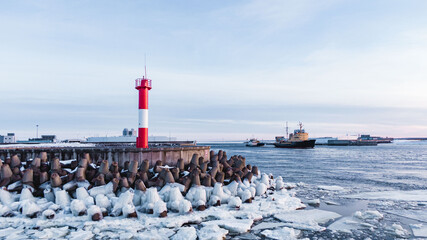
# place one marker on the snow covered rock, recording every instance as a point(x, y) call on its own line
point(149, 199)
point(261, 188)
point(175, 198)
point(160, 209)
point(30, 209)
point(197, 196)
point(125, 199)
point(105, 189)
point(185, 206)
point(26, 194)
point(81, 193)
point(62, 198)
point(245, 195)
point(78, 207)
point(49, 195)
point(95, 213)
point(279, 183)
point(234, 202)
point(102, 201)
point(129, 210)
point(48, 214)
point(5, 211)
point(6, 197)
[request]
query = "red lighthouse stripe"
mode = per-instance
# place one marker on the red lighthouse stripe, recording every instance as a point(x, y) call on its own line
point(143, 98)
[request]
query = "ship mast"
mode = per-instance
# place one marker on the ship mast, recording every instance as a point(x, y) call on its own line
point(300, 127)
point(287, 134)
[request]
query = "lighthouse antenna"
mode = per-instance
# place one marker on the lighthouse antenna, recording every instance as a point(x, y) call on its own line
point(145, 65)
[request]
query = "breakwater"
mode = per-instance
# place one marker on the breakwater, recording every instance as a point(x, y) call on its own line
point(120, 153)
point(99, 188)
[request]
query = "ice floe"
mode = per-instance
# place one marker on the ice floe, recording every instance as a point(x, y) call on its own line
point(307, 219)
point(419, 215)
point(419, 230)
point(212, 232)
point(331, 188)
point(414, 195)
point(233, 225)
point(268, 225)
point(359, 220)
point(185, 233)
point(284, 233)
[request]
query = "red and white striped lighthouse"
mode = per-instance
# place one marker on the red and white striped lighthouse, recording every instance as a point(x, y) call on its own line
point(143, 85)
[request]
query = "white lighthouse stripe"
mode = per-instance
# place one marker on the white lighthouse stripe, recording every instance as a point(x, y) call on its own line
point(143, 118)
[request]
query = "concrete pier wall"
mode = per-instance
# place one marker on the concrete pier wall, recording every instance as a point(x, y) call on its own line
point(168, 155)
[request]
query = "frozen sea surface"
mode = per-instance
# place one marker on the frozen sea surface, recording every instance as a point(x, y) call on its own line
point(390, 179)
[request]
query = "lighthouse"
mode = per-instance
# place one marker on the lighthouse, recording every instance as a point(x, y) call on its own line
point(143, 85)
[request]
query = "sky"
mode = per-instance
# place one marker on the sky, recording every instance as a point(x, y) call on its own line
point(221, 70)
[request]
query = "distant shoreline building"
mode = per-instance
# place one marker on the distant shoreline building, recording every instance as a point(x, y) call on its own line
point(42, 139)
point(129, 136)
point(9, 138)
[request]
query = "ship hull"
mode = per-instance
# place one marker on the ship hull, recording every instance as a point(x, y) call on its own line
point(255, 145)
point(302, 144)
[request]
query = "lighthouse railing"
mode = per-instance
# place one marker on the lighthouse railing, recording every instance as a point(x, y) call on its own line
point(140, 81)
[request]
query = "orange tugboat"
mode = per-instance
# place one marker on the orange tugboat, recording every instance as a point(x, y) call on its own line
point(298, 139)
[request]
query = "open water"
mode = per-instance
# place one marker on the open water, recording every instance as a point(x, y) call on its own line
point(400, 167)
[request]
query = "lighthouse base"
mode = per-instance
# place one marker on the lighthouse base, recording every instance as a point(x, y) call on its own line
point(142, 139)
